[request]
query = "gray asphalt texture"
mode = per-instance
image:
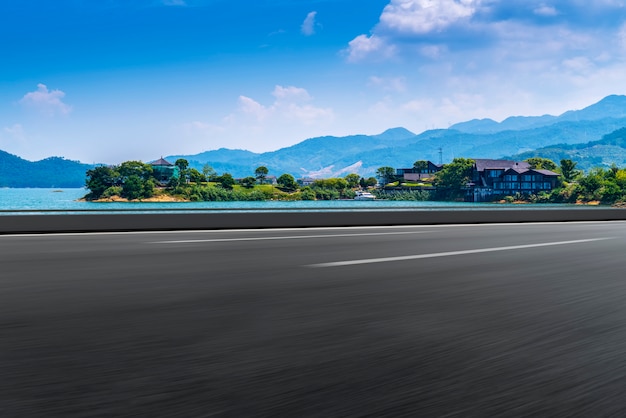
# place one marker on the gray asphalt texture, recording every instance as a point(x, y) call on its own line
point(241, 323)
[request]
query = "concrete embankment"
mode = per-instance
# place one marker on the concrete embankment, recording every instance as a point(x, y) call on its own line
point(88, 222)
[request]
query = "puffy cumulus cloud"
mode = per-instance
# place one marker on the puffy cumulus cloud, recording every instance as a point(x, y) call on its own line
point(308, 26)
point(47, 101)
point(413, 19)
point(251, 107)
point(290, 103)
point(424, 16)
point(366, 46)
point(432, 28)
point(290, 93)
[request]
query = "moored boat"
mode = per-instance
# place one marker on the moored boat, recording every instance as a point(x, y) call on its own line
point(364, 196)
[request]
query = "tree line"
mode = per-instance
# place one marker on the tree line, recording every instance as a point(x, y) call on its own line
point(605, 185)
point(135, 180)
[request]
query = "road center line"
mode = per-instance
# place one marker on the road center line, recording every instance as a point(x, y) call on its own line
point(450, 253)
point(371, 234)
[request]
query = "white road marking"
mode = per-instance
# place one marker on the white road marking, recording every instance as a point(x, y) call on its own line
point(450, 253)
point(351, 228)
point(192, 241)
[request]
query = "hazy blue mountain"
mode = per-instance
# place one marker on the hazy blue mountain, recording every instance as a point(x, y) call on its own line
point(49, 172)
point(613, 106)
point(477, 126)
point(609, 150)
point(362, 154)
point(395, 134)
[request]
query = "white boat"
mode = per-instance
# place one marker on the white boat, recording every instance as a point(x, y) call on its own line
point(364, 196)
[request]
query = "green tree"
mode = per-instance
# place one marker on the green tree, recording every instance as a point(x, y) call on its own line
point(353, 180)
point(100, 179)
point(209, 172)
point(226, 180)
point(261, 173)
point(539, 163)
point(137, 168)
point(569, 171)
point(371, 182)
point(453, 178)
point(135, 187)
point(386, 174)
point(421, 165)
point(287, 182)
point(248, 182)
point(307, 193)
point(182, 165)
point(196, 176)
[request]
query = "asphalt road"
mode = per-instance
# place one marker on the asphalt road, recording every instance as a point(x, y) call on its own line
point(475, 320)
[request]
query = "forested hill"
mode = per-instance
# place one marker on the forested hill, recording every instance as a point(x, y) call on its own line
point(609, 150)
point(49, 172)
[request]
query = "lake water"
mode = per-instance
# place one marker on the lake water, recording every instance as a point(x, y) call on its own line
point(26, 200)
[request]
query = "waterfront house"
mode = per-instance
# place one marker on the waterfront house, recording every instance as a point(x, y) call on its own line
point(498, 178)
point(306, 181)
point(419, 173)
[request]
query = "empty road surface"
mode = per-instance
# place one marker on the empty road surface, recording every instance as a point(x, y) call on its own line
point(467, 320)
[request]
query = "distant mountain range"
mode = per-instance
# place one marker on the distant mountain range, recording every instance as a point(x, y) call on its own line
point(590, 136)
point(363, 154)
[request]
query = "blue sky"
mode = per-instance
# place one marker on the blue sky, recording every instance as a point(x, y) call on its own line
point(115, 80)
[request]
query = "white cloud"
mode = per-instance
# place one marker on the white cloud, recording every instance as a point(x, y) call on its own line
point(289, 103)
point(424, 16)
point(363, 46)
point(308, 26)
point(291, 93)
point(251, 107)
point(545, 10)
point(47, 101)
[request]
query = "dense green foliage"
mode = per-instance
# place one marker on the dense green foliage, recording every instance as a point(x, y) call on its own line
point(386, 174)
point(131, 180)
point(261, 173)
point(453, 178)
point(539, 163)
point(135, 180)
point(287, 182)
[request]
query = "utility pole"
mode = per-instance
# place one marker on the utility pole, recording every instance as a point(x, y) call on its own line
point(440, 155)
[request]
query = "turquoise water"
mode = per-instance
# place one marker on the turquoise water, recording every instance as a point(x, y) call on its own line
point(67, 200)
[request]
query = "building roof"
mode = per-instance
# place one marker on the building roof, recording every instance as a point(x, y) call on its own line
point(484, 164)
point(547, 172)
point(161, 163)
point(533, 170)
